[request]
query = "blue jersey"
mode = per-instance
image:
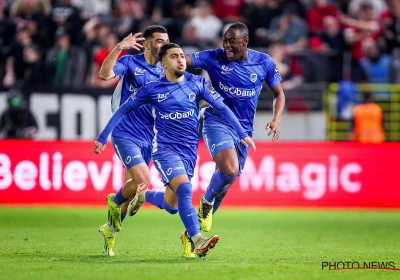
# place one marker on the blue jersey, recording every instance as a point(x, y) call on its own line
point(175, 108)
point(238, 82)
point(134, 72)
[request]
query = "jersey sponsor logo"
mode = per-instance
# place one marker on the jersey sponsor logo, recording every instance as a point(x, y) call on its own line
point(162, 96)
point(253, 77)
point(217, 145)
point(177, 115)
point(132, 88)
point(226, 69)
point(237, 91)
point(139, 72)
point(192, 97)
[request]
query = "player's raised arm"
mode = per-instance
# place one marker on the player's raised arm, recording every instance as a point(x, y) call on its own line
point(129, 42)
point(278, 107)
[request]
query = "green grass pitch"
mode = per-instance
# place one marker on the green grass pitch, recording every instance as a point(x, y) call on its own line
point(62, 243)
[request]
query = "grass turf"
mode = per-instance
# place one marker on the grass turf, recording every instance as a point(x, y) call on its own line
point(53, 243)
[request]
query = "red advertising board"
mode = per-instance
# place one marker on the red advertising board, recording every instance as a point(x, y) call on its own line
point(282, 174)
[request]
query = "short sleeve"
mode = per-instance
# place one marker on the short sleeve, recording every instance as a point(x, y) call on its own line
point(202, 59)
point(272, 77)
point(121, 66)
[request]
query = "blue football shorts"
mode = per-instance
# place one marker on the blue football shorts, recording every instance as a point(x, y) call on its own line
point(131, 153)
point(219, 137)
point(170, 164)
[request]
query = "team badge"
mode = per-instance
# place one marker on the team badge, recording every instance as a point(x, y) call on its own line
point(192, 97)
point(253, 77)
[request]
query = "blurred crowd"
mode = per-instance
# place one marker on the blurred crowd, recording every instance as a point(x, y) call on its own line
point(63, 43)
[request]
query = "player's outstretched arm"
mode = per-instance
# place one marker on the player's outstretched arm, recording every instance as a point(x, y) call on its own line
point(129, 42)
point(130, 104)
point(279, 106)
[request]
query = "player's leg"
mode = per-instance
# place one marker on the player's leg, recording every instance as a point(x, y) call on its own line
point(107, 232)
point(177, 173)
point(183, 190)
point(131, 155)
point(166, 200)
point(218, 200)
point(221, 145)
point(242, 153)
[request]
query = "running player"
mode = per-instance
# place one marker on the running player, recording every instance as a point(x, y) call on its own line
point(176, 100)
point(237, 73)
point(132, 138)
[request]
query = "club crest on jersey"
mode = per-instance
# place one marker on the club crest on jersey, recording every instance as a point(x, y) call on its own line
point(253, 77)
point(192, 97)
point(226, 69)
point(162, 96)
point(139, 72)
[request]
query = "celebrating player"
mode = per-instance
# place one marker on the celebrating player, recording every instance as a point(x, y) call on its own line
point(237, 73)
point(176, 100)
point(132, 138)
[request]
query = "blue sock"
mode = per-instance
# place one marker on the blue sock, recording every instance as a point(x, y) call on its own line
point(123, 217)
point(217, 203)
point(187, 212)
point(158, 200)
point(119, 199)
point(218, 183)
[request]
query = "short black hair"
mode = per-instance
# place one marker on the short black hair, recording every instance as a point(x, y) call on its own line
point(165, 48)
point(241, 27)
point(150, 30)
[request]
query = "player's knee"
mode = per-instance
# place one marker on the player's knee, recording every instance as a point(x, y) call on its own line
point(128, 182)
point(228, 178)
point(171, 210)
point(184, 190)
point(230, 171)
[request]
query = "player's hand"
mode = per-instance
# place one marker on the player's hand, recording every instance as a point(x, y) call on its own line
point(247, 141)
point(98, 147)
point(274, 129)
point(131, 42)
